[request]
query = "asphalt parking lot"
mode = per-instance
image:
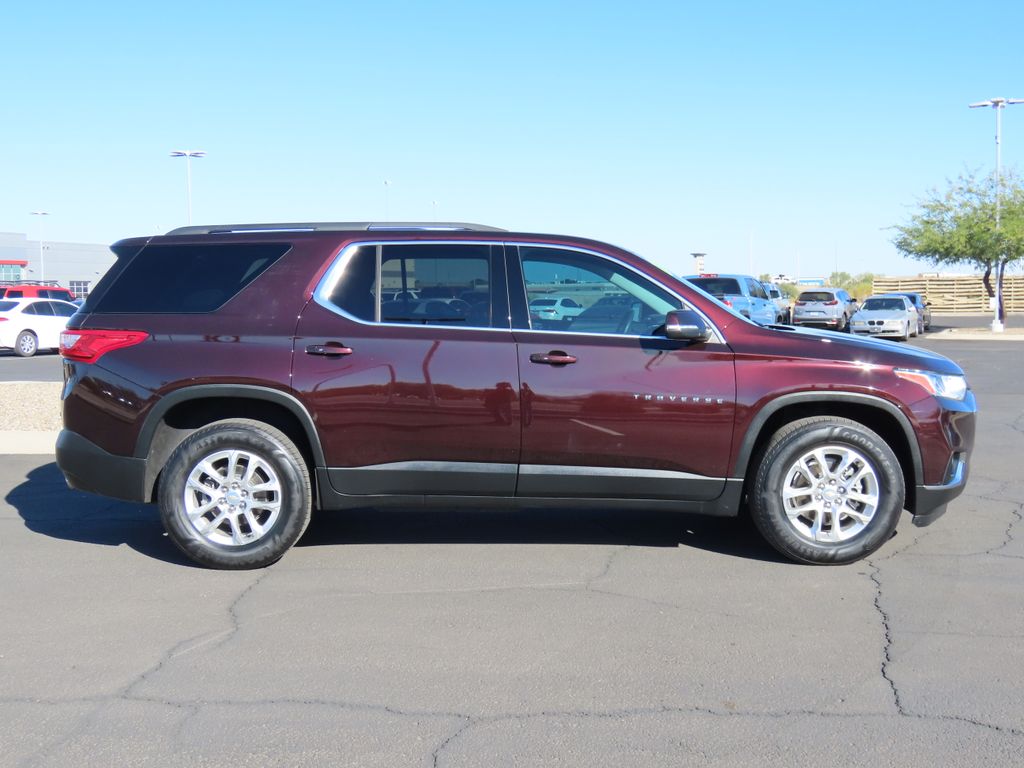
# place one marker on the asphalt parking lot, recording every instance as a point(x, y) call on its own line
point(477, 638)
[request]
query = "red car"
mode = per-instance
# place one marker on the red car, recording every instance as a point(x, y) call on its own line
point(300, 372)
point(35, 291)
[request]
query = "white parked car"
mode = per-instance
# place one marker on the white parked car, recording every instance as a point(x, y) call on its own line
point(28, 325)
point(886, 316)
point(554, 308)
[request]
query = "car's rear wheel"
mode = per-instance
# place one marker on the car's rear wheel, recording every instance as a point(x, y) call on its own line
point(27, 344)
point(827, 491)
point(235, 494)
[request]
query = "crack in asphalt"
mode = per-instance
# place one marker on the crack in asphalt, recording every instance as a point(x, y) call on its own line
point(435, 756)
point(1018, 513)
point(612, 557)
point(467, 721)
point(875, 576)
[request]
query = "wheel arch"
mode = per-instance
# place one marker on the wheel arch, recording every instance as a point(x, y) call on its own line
point(182, 412)
point(876, 413)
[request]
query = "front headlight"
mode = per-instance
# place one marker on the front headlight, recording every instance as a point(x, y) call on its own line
point(953, 386)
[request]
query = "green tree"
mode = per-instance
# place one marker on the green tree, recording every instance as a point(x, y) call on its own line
point(958, 227)
point(858, 286)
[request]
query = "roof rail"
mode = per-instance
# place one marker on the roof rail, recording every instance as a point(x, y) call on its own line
point(337, 226)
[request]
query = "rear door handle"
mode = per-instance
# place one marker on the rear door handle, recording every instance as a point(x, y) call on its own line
point(330, 349)
point(554, 357)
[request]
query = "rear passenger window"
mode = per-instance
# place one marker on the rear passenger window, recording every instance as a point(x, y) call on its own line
point(187, 278)
point(420, 284)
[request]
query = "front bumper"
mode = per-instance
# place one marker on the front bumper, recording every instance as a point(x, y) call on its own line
point(87, 467)
point(933, 499)
point(884, 332)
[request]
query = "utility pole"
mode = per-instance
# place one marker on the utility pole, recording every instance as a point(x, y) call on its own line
point(998, 104)
point(42, 259)
point(188, 154)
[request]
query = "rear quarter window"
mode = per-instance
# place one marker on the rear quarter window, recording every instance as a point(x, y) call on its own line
point(186, 278)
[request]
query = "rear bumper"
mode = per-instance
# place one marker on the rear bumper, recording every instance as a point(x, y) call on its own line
point(932, 499)
point(87, 467)
point(830, 321)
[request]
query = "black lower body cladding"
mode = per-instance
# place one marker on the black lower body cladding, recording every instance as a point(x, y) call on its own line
point(87, 467)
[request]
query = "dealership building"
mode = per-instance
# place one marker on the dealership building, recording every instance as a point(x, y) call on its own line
point(77, 266)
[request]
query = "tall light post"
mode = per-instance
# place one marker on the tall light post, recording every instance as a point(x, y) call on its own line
point(42, 259)
point(998, 104)
point(698, 261)
point(188, 154)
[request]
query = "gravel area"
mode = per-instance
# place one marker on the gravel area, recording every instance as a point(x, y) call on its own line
point(30, 406)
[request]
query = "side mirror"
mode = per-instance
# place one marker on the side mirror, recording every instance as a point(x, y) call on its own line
point(686, 325)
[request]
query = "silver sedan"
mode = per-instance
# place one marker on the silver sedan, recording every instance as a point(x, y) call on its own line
point(892, 316)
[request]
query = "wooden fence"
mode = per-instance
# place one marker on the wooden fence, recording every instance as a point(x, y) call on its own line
point(956, 295)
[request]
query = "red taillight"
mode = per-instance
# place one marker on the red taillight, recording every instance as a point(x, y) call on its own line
point(89, 346)
point(727, 302)
point(831, 303)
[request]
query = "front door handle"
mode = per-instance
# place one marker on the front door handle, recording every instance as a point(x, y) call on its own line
point(330, 349)
point(554, 357)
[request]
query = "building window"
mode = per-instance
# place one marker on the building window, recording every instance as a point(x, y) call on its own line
point(11, 272)
point(80, 288)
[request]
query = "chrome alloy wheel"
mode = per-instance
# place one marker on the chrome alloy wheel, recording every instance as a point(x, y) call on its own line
point(831, 494)
point(232, 498)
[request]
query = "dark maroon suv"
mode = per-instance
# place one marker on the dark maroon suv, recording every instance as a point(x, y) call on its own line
point(240, 376)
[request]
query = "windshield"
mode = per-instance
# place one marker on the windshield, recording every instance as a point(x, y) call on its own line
point(875, 305)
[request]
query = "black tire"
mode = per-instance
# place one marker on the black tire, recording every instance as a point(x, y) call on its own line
point(276, 460)
point(26, 345)
point(773, 473)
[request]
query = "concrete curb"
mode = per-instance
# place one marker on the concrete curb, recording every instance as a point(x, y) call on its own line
point(972, 334)
point(24, 442)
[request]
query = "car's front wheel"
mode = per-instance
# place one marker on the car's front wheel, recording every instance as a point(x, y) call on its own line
point(828, 490)
point(27, 344)
point(235, 494)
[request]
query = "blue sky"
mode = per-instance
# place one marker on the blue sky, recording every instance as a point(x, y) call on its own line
point(781, 137)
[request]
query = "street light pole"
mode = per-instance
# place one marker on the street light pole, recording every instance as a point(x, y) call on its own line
point(42, 259)
point(188, 154)
point(698, 261)
point(998, 104)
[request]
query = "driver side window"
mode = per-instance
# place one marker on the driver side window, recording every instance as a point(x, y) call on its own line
point(582, 293)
